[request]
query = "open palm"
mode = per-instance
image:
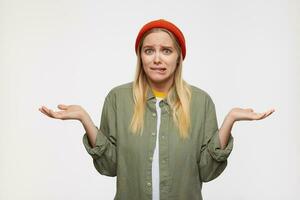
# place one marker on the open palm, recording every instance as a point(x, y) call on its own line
point(248, 114)
point(67, 112)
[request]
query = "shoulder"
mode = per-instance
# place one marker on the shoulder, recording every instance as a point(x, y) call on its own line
point(199, 94)
point(201, 102)
point(123, 91)
point(126, 87)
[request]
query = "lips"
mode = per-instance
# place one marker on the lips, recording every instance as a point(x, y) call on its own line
point(159, 69)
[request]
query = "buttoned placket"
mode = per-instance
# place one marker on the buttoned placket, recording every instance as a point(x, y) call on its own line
point(152, 131)
point(163, 151)
point(162, 143)
point(155, 161)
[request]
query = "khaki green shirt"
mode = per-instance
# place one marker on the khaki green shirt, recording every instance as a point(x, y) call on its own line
point(184, 164)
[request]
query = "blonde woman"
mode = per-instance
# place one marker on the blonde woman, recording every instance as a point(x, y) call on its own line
point(158, 134)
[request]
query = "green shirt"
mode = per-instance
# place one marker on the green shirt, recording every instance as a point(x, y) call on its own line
point(184, 164)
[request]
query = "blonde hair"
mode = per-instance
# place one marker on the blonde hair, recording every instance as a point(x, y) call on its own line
point(178, 97)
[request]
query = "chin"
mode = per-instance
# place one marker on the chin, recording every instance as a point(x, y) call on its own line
point(159, 80)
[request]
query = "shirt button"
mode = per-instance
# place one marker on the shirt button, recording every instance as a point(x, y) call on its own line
point(150, 158)
point(153, 133)
point(163, 137)
point(149, 184)
point(154, 114)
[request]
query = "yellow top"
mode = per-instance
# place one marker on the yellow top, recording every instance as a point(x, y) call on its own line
point(159, 94)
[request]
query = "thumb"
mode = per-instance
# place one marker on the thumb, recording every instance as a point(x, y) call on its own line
point(62, 106)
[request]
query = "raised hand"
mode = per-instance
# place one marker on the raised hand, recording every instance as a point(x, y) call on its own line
point(67, 112)
point(238, 114)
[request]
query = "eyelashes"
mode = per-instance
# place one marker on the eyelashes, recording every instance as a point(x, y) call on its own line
point(165, 51)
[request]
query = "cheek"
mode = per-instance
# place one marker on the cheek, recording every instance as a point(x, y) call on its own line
point(145, 61)
point(173, 64)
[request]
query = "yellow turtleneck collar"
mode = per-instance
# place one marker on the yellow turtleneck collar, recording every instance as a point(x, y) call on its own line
point(159, 94)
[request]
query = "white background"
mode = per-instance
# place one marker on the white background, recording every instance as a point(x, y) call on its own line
point(243, 53)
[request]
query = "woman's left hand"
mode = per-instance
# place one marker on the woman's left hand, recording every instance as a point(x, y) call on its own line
point(237, 114)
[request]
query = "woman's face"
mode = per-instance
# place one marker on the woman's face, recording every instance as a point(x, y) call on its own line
point(159, 58)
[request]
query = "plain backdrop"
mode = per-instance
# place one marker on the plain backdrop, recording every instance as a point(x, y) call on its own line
point(243, 53)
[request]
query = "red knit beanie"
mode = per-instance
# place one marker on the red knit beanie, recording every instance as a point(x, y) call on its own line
point(161, 23)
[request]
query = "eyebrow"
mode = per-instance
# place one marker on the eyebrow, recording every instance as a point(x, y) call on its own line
point(147, 46)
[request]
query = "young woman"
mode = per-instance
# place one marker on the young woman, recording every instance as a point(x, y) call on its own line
point(158, 134)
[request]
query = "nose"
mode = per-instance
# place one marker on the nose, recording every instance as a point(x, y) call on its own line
point(157, 58)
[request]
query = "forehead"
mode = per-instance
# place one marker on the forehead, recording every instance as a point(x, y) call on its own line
point(158, 38)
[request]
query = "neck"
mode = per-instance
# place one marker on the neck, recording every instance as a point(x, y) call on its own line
point(161, 87)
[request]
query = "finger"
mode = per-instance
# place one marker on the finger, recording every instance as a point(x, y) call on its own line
point(44, 112)
point(272, 110)
point(53, 114)
point(45, 109)
point(258, 116)
point(269, 113)
point(58, 114)
point(62, 106)
point(264, 115)
point(50, 112)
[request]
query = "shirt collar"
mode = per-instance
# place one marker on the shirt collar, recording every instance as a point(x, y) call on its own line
point(151, 96)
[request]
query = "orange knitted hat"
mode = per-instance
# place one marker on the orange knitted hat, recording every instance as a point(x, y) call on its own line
point(161, 23)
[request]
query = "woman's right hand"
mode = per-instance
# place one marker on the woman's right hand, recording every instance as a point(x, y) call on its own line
point(67, 112)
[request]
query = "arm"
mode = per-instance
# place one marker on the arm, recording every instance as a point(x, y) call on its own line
point(73, 112)
point(218, 143)
point(90, 129)
point(237, 114)
point(213, 158)
point(225, 131)
point(100, 143)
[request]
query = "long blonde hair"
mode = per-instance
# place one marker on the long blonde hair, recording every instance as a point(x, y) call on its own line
point(178, 97)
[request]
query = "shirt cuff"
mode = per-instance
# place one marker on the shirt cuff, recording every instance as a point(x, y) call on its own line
point(101, 144)
point(214, 148)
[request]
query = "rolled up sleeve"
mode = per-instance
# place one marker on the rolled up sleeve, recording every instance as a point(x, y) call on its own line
point(213, 159)
point(104, 153)
point(214, 148)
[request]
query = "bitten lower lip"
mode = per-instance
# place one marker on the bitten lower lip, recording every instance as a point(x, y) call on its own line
point(160, 71)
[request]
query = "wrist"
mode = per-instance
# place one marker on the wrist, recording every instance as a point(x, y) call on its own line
point(84, 118)
point(230, 117)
